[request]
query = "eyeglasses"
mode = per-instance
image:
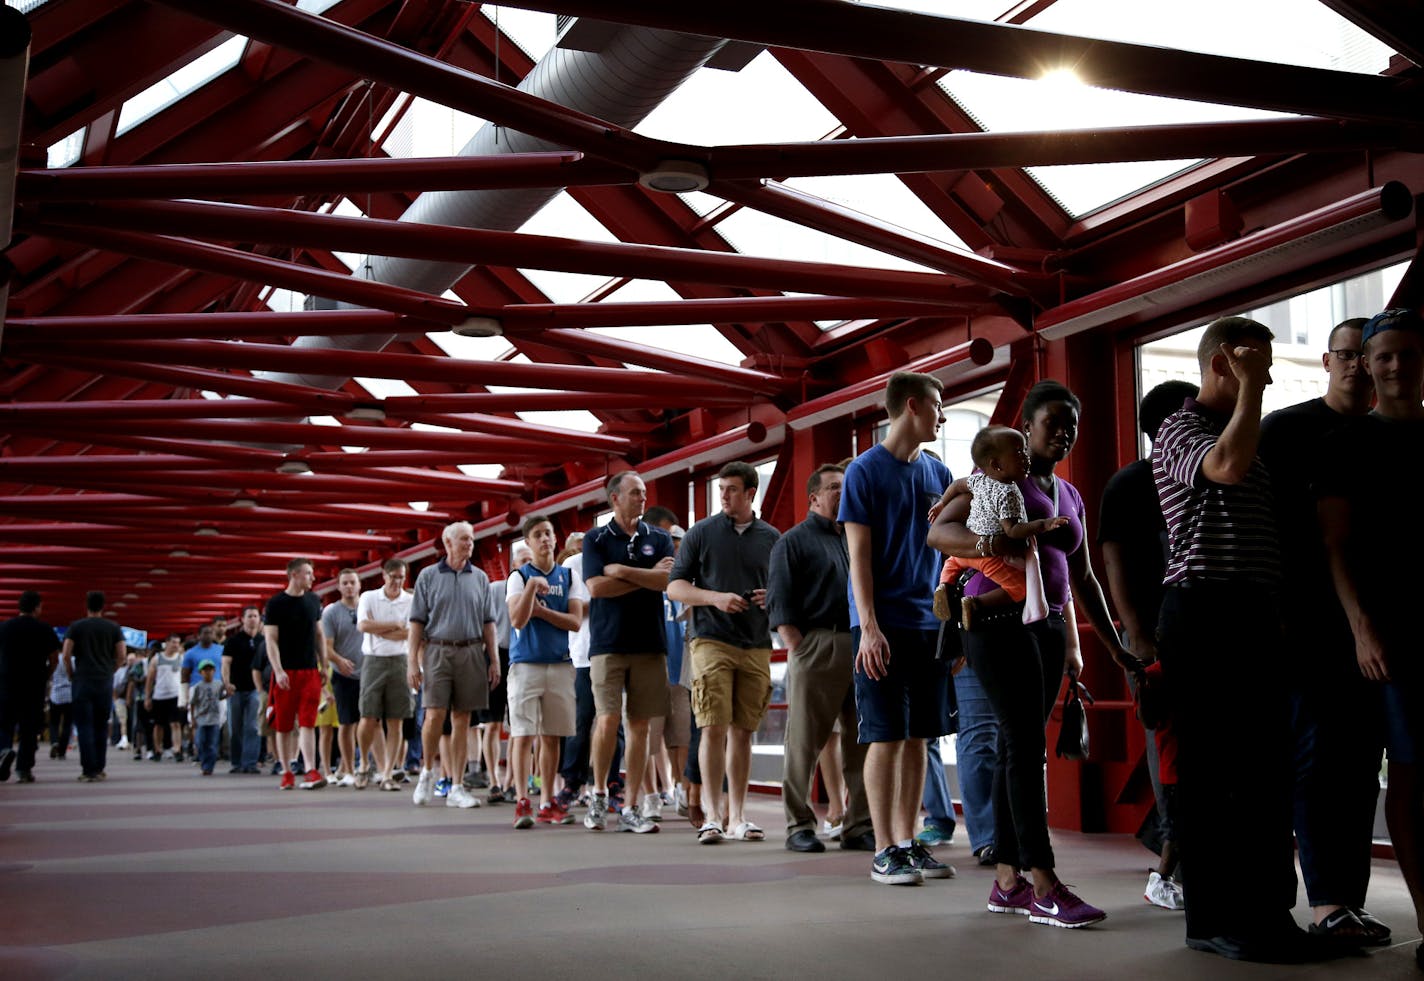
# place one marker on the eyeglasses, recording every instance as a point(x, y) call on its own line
point(632, 545)
point(1345, 353)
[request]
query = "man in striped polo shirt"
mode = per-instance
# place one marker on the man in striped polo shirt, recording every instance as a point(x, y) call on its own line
point(1220, 644)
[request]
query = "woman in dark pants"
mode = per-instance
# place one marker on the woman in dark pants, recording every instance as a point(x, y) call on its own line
point(1021, 666)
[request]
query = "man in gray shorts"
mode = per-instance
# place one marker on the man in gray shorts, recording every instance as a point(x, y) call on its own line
point(383, 617)
point(451, 641)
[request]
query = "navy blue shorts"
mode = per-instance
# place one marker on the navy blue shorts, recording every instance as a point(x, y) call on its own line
point(1402, 705)
point(912, 701)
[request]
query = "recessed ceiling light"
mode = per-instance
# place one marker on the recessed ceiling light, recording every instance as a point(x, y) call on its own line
point(294, 466)
point(143, 585)
point(178, 553)
point(208, 532)
point(244, 502)
point(158, 572)
point(676, 177)
point(479, 327)
point(366, 413)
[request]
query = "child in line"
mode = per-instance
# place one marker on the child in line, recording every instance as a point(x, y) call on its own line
point(996, 507)
point(204, 701)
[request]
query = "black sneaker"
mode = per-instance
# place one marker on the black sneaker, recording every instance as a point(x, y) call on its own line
point(496, 795)
point(7, 760)
point(928, 866)
point(25, 776)
point(893, 868)
point(987, 856)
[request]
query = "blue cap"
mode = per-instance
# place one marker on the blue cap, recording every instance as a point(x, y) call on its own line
point(1391, 319)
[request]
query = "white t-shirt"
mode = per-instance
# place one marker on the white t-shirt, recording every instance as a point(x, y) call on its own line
point(374, 604)
point(578, 642)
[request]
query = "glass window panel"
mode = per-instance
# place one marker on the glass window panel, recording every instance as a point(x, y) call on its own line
point(885, 197)
point(533, 31)
point(385, 388)
point(755, 233)
point(428, 129)
point(762, 103)
point(191, 76)
point(577, 420)
point(67, 150)
point(1293, 32)
point(566, 218)
point(469, 348)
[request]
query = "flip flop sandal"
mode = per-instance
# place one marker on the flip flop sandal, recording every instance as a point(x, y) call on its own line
point(746, 831)
point(1377, 932)
point(709, 834)
point(1343, 924)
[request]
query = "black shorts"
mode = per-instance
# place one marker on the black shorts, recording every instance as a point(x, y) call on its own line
point(348, 698)
point(165, 712)
point(498, 696)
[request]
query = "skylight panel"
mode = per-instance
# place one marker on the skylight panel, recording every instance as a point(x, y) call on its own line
point(566, 218)
point(428, 129)
point(578, 420)
point(533, 31)
point(67, 151)
point(885, 197)
point(189, 78)
point(469, 348)
point(754, 233)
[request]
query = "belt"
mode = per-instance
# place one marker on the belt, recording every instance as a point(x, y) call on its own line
point(454, 643)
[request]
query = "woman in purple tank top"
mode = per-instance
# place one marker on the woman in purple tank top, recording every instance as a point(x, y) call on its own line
point(1021, 666)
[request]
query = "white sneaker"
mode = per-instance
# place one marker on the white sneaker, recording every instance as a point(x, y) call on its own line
point(349, 780)
point(638, 824)
point(123, 743)
point(460, 797)
point(679, 800)
point(423, 788)
point(1164, 892)
point(653, 807)
point(831, 831)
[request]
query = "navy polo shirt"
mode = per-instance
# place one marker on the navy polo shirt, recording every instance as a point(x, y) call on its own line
point(631, 623)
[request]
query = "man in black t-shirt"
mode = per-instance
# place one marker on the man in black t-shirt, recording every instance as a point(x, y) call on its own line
point(296, 650)
point(1335, 710)
point(240, 651)
point(29, 649)
point(93, 650)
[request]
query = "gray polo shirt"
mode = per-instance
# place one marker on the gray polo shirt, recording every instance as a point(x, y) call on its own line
point(715, 556)
point(453, 606)
point(339, 622)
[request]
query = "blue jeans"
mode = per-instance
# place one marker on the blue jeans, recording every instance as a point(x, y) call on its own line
point(977, 756)
point(93, 704)
point(574, 764)
point(206, 740)
point(244, 741)
point(939, 809)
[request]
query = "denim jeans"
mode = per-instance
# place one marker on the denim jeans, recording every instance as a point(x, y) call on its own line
point(206, 740)
point(244, 741)
point(977, 756)
point(574, 764)
point(22, 709)
point(93, 704)
point(939, 808)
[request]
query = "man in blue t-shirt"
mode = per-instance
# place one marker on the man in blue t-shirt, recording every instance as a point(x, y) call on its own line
point(546, 603)
point(901, 690)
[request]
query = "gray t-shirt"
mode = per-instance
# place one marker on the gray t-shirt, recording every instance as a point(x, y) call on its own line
point(453, 606)
point(205, 697)
point(339, 622)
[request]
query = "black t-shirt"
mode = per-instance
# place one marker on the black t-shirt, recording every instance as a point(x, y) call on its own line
point(295, 617)
point(1131, 517)
point(1385, 542)
point(1293, 441)
point(25, 646)
point(243, 650)
point(94, 640)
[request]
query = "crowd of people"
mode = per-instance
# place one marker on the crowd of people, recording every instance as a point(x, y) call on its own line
point(1264, 629)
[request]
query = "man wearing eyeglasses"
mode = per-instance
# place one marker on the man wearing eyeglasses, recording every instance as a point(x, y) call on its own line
point(1336, 780)
point(625, 566)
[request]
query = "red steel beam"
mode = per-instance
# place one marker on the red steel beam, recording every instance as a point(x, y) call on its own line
point(528, 317)
point(299, 396)
point(822, 215)
point(290, 275)
point(406, 406)
point(444, 243)
point(941, 152)
point(405, 70)
point(174, 408)
point(362, 174)
point(407, 367)
point(882, 34)
point(217, 325)
point(686, 365)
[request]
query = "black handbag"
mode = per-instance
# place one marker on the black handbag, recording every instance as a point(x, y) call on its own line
point(1073, 734)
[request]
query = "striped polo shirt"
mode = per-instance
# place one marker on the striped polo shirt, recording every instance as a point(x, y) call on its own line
point(1220, 532)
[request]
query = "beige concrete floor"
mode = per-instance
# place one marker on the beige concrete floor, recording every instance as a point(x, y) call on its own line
point(159, 873)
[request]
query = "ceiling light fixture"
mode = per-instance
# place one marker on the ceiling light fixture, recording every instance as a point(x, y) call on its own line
point(207, 532)
point(243, 502)
point(178, 553)
point(676, 177)
point(366, 413)
point(479, 327)
point(294, 466)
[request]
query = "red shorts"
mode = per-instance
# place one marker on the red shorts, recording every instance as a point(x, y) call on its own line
point(297, 706)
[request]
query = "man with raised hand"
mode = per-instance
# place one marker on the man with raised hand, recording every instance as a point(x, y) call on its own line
point(453, 657)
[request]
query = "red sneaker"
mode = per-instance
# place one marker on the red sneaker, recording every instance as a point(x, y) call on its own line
point(289, 780)
point(552, 813)
point(523, 814)
point(313, 780)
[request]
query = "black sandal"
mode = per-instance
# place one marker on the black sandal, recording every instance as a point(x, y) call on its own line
point(1376, 930)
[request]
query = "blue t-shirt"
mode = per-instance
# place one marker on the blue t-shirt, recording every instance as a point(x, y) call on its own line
point(539, 641)
point(196, 655)
point(631, 623)
point(893, 500)
point(675, 630)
